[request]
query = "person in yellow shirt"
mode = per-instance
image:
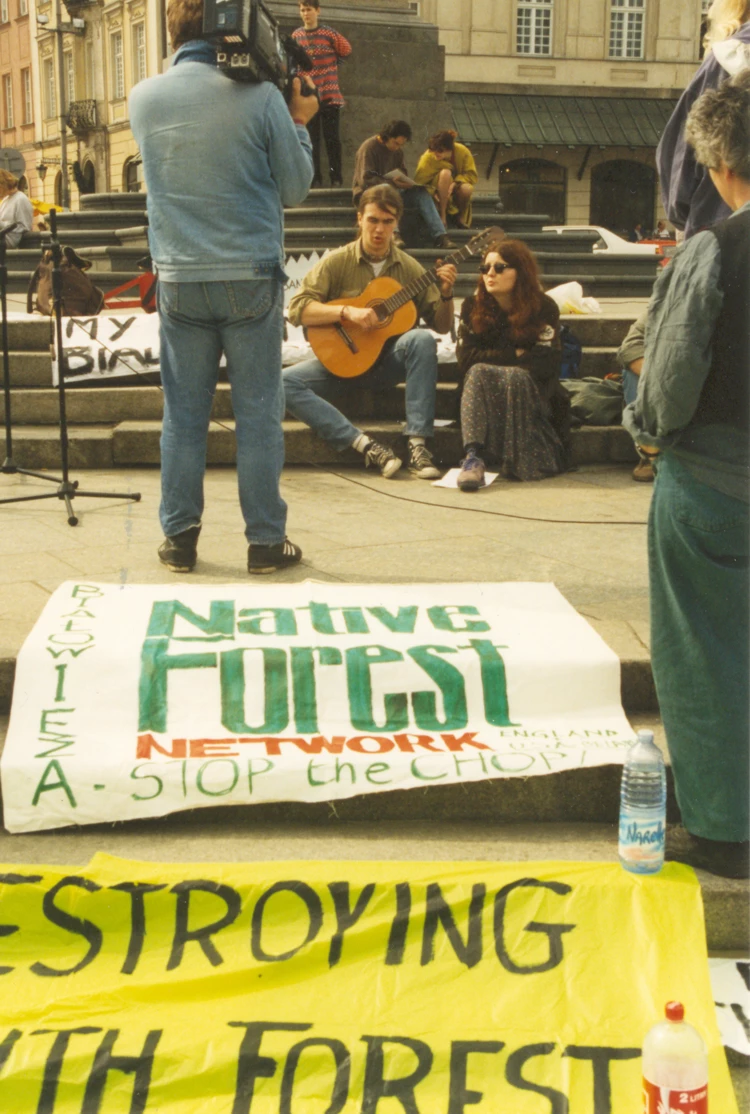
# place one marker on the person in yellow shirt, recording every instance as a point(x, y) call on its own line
point(447, 169)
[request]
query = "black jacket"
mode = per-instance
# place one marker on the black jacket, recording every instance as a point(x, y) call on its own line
point(542, 361)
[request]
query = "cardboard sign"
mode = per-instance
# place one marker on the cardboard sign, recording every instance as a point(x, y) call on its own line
point(344, 988)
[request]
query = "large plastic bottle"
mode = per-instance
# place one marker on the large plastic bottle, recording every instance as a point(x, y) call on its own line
point(675, 1066)
point(643, 807)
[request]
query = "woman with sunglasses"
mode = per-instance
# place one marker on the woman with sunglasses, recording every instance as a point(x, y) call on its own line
point(514, 411)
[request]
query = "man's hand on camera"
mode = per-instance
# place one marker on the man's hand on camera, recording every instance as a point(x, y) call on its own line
point(302, 109)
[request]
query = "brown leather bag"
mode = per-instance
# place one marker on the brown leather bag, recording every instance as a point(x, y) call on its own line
point(80, 298)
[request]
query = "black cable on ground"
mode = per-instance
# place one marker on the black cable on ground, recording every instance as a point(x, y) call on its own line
point(405, 498)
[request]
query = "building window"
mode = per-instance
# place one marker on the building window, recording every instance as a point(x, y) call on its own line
point(23, 7)
point(118, 71)
point(533, 186)
point(139, 52)
point(534, 27)
point(50, 98)
point(705, 5)
point(28, 101)
point(8, 100)
point(622, 195)
point(132, 176)
point(3, 11)
point(626, 29)
point(70, 78)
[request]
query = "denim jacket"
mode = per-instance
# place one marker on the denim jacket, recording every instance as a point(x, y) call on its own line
point(220, 159)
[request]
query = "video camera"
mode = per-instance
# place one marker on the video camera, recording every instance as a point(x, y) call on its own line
point(250, 46)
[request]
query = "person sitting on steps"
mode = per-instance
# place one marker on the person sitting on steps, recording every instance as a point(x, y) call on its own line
point(344, 273)
point(513, 407)
point(448, 170)
point(381, 159)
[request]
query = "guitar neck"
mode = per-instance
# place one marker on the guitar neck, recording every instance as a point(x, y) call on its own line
point(418, 285)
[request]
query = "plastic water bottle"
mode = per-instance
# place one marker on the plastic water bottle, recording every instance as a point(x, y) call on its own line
point(675, 1066)
point(643, 807)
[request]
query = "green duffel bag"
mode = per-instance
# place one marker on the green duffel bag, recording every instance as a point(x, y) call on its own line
point(595, 401)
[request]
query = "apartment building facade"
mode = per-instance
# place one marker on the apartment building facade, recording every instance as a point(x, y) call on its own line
point(563, 101)
point(81, 75)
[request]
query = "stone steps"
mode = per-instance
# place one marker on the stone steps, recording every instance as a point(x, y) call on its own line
point(133, 442)
point(567, 816)
point(33, 369)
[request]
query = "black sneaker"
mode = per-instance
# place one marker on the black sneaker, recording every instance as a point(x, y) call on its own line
point(724, 858)
point(270, 558)
point(382, 458)
point(421, 463)
point(179, 553)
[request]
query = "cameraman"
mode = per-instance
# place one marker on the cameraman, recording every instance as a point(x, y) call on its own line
point(220, 159)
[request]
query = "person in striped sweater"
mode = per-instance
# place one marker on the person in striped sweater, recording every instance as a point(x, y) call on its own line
point(325, 47)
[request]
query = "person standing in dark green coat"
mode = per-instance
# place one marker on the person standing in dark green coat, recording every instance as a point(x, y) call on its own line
point(692, 416)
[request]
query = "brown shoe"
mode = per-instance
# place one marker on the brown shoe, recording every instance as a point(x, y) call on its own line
point(644, 472)
point(445, 242)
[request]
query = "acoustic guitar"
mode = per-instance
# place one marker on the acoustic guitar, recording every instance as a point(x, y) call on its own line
point(347, 350)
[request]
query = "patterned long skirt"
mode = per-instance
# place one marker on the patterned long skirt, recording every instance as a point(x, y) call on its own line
point(501, 409)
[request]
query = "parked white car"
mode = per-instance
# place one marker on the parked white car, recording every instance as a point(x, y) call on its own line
point(608, 241)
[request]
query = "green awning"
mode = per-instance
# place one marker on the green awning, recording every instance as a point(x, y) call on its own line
point(515, 118)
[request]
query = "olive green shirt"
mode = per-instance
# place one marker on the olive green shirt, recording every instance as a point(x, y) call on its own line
point(346, 272)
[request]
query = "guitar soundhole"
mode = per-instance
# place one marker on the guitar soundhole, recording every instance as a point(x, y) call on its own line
point(383, 316)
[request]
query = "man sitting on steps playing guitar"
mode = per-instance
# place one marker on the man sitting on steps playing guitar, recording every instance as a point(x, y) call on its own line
point(355, 329)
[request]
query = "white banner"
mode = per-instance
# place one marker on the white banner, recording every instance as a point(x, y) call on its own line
point(109, 346)
point(730, 982)
point(140, 700)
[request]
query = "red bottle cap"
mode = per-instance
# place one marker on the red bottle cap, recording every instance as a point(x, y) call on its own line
point(674, 1011)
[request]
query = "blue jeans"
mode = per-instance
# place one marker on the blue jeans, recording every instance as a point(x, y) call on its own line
point(198, 321)
point(412, 356)
point(698, 575)
point(418, 200)
point(630, 383)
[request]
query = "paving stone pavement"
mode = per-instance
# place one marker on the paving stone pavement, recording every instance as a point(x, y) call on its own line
point(354, 527)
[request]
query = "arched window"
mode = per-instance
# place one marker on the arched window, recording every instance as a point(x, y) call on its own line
point(89, 177)
point(132, 176)
point(533, 186)
point(622, 196)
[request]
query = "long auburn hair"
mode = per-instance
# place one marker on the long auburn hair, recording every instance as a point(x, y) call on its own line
point(526, 296)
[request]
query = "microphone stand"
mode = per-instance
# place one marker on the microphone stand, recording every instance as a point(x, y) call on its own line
point(67, 489)
point(9, 466)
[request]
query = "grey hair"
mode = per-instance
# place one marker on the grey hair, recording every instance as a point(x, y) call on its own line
point(718, 126)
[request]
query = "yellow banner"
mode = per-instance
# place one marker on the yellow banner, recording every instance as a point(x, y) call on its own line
point(319, 988)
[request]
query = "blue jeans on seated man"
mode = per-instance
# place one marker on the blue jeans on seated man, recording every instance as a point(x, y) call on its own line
point(411, 357)
point(630, 383)
point(198, 321)
point(418, 200)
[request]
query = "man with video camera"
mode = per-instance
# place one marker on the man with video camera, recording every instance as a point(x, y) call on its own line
point(220, 159)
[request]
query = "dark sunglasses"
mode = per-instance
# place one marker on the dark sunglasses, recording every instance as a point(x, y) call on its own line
point(498, 268)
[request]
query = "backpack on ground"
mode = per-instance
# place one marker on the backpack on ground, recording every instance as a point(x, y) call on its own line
point(595, 401)
point(80, 298)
